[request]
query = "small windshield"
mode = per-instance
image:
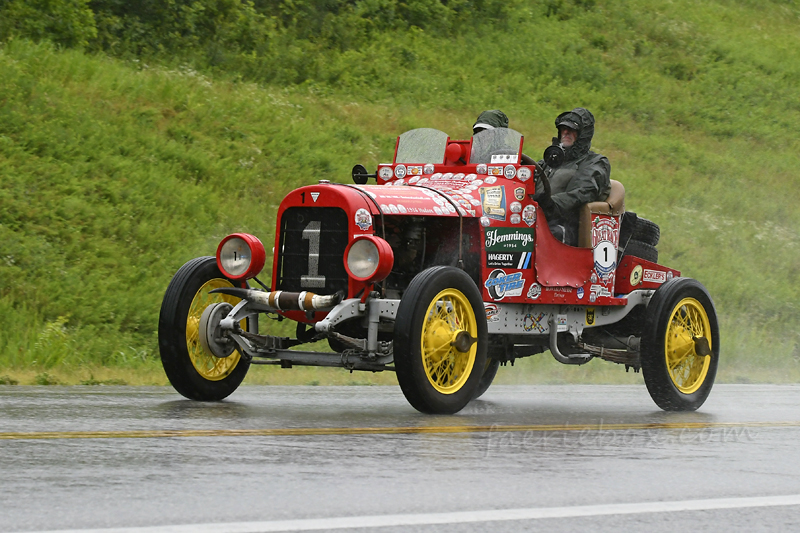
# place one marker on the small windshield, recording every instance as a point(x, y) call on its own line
point(498, 146)
point(423, 145)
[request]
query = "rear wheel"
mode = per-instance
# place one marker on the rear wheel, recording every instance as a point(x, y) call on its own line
point(680, 345)
point(439, 341)
point(191, 368)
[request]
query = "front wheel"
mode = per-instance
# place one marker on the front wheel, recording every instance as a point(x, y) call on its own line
point(192, 369)
point(489, 372)
point(680, 345)
point(440, 341)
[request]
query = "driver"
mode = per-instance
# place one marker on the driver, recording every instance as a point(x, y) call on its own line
point(583, 177)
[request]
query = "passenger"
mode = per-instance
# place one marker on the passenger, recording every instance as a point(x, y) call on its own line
point(583, 177)
point(494, 118)
point(489, 120)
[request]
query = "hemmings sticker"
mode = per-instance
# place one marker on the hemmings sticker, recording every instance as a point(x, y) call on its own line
point(363, 219)
point(534, 291)
point(535, 322)
point(501, 284)
point(655, 276)
point(518, 260)
point(493, 200)
point(509, 240)
point(519, 193)
point(492, 312)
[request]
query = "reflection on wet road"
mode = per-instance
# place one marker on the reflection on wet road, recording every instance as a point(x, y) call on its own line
point(299, 458)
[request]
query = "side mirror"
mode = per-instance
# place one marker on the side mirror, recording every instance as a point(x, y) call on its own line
point(360, 175)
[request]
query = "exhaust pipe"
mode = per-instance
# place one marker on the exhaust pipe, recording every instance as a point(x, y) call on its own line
point(283, 301)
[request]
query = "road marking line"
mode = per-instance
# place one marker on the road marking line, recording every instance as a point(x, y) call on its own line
point(495, 515)
point(282, 432)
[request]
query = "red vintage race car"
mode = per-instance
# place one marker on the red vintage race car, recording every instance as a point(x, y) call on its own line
point(442, 271)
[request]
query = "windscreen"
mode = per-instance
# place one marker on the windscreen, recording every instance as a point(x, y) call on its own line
point(423, 145)
point(498, 146)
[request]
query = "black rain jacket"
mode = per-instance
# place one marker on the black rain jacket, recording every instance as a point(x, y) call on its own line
point(584, 177)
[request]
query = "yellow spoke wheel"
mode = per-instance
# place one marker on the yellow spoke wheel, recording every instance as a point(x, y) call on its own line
point(680, 345)
point(191, 369)
point(207, 365)
point(449, 318)
point(687, 368)
point(440, 340)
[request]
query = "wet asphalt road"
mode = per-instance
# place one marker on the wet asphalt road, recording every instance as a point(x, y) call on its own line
point(273, 458)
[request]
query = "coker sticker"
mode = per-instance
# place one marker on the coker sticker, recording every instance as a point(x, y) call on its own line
point(499, 284)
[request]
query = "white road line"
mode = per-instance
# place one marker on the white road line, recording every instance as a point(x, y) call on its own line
point(536, 513)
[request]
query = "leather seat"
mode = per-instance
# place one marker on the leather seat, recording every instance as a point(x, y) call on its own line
point(613, 205)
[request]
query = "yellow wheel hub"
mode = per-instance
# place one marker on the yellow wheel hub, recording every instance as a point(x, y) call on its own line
point(686, 367)
point(448, 318)
point(207, 365)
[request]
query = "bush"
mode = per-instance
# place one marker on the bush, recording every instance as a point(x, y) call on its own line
point(65, 22)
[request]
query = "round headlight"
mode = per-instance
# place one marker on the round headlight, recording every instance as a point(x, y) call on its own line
point(235, 256)
point(369, 259)
point(240, 256)
point(362, 260)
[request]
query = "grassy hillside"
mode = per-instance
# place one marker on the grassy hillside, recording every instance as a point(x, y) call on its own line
point(114, 172)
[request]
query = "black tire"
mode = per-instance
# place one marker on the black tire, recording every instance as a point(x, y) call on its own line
point(646, 231)
point(440, 379)
point(642, 250)
point(489, 372)
point(194, 372)
point(680, 310)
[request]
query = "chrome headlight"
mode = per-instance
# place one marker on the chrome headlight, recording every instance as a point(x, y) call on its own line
point(369, 258)
point(362, 259)
point(240, 256)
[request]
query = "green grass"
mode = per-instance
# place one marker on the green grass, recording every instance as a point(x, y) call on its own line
point(114, 172)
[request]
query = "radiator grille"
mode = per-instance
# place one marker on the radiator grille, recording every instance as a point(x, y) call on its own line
point(313, 240)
